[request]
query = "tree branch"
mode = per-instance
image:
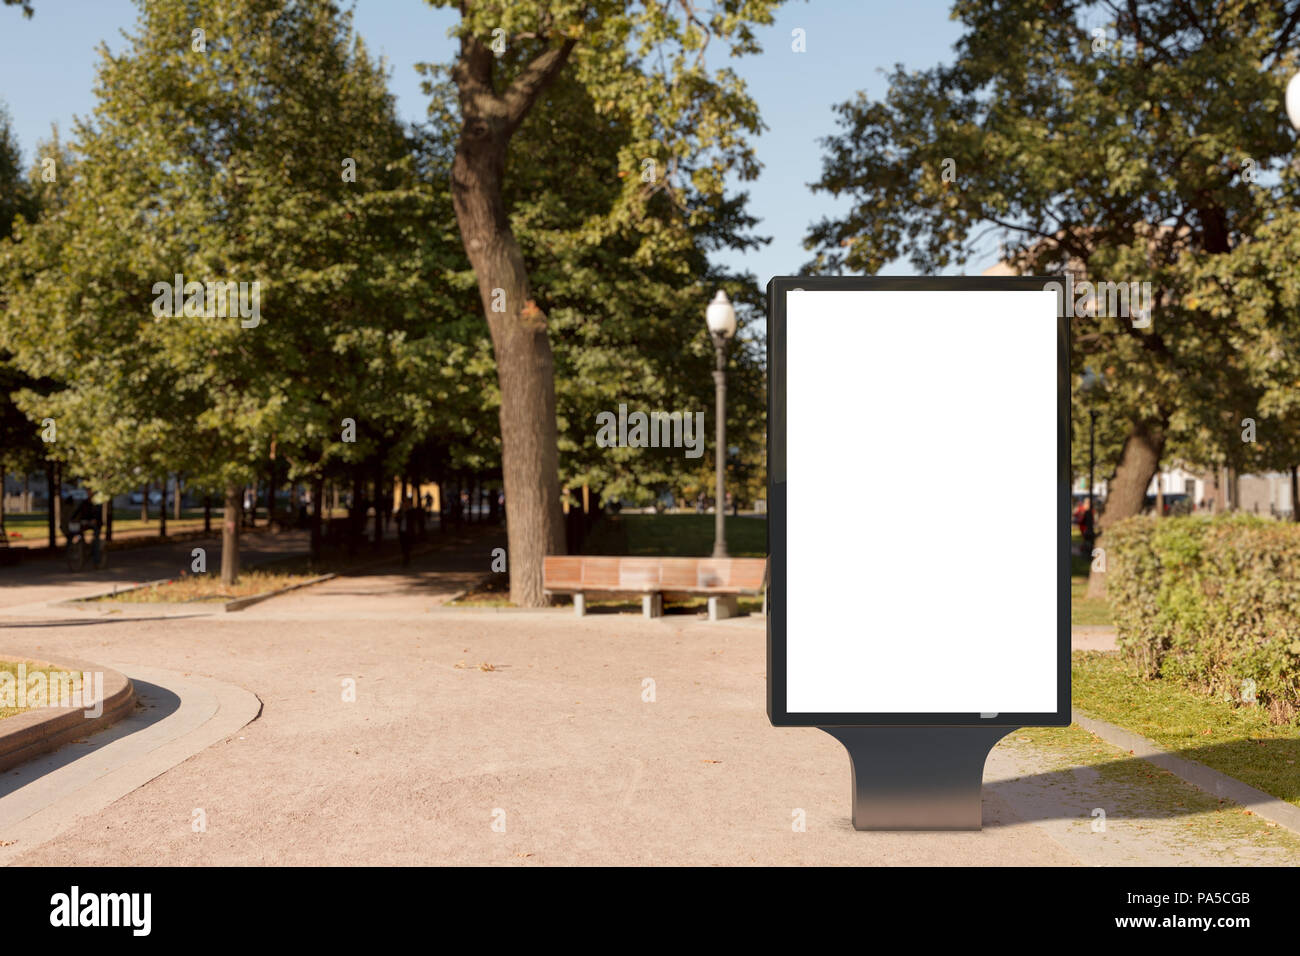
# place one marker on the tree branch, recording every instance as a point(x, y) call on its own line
point(523, 92)
point(472, 71)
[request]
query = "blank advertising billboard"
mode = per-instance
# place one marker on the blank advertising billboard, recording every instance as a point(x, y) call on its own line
point(918, 471)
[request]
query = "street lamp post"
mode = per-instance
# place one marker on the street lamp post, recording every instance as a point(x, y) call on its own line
point(1092, 428)
point(721, 320)
point(1293, 113)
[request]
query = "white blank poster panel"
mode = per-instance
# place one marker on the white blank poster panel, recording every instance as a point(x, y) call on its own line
point(922, 521)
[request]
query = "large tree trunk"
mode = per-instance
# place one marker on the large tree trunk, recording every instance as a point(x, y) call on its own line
point(162, 510)
point(1295, 493)
point(525, 367)
point(230, 522)
point(144, 503)
point(1127, 489)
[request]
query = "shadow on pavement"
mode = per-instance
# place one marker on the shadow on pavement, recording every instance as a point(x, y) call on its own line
point(1122, 788)
point(154, 704)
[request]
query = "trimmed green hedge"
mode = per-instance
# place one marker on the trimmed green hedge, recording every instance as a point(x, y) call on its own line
point(1211, 602)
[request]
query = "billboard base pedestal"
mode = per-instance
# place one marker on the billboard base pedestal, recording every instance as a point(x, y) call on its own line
point(917, 778)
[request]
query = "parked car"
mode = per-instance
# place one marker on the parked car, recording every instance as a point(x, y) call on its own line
point(1175, 504)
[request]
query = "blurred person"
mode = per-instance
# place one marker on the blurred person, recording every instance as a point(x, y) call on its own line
point(405, 517)
point(1087, 530)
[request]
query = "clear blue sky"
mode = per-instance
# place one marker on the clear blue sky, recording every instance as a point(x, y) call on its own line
point(47, 70)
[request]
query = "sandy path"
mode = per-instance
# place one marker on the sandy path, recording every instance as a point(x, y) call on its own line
point(556, 735)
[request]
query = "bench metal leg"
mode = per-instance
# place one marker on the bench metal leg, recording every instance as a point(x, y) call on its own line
point(652, 605)
point(580, 604)
point(723, 606)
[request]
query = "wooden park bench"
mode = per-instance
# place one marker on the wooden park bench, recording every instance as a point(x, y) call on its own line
point(721, 580)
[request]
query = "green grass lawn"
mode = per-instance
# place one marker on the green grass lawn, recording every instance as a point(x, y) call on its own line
point(1084, 611)
point(676, 536)
point(1238, 741)
point(33, 524)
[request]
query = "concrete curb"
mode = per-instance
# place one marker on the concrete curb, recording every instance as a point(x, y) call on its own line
point(1211, 781)
point(55, 792)
point(45, 729)
point(113, 593)
point(463, 591)
point(238, 604)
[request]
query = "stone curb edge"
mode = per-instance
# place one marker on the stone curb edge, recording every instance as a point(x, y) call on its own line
point(1212, 781)
point(113, 593)
point(238, 604)
point(44, 729)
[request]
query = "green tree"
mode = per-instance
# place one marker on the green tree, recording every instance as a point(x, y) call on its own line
point(20, 446)
point(625, 329)
point(262, 150)
point(1128, 143)
point(643, 67)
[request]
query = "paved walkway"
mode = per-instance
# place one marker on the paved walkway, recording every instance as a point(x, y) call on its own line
point(1092, 637)
point(538, 722)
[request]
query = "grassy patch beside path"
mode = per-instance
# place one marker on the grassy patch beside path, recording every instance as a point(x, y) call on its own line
point(11, 667)
point(208, 587)
point(1238, 741)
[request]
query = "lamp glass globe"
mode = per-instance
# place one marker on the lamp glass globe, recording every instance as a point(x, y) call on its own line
point(720, 316)
point(1293, 101)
